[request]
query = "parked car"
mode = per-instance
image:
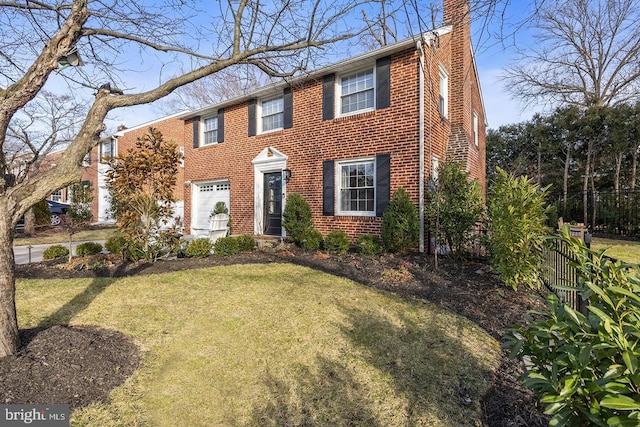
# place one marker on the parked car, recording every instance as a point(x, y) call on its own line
point(57, 209)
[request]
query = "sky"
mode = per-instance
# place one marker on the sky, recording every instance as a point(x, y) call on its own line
point(492, 57)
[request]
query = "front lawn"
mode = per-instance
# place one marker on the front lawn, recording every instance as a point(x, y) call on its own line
point(273, 345)
point(624, 250)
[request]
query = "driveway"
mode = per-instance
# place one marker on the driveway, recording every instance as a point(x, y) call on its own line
point(22, 256)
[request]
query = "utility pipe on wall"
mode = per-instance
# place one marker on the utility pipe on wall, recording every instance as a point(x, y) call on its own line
point(421, 78)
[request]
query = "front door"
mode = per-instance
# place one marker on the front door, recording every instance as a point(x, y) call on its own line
point(273, 203)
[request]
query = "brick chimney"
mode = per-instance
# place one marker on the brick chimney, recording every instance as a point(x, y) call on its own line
point(457, 14)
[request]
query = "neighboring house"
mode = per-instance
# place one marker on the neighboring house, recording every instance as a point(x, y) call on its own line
point(124, 139)
point(346, 136)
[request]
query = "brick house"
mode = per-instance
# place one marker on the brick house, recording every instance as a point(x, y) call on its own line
point(345, 136)
point(172, 129)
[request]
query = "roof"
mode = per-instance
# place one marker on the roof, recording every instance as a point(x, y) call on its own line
point(341, 65)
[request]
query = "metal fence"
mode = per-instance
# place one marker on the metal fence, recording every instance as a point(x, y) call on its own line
point(558, 273)
point(611, 212)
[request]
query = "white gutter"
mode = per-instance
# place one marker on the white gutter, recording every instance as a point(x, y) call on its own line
point(421, 143)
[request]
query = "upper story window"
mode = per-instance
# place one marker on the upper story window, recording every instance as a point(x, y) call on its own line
point(443, 93)
point(356, 187)
point(107, 150)
point(272, 114)
point(357, 92)
point(210, 131)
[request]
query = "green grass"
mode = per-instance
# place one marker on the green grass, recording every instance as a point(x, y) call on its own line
point(59, 236)
point(623, 250)
point(274, 345)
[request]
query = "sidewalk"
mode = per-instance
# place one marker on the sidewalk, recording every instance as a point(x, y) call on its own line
point(33, 253)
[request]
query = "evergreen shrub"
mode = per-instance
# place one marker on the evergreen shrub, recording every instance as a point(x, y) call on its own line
point(88, 248)
point(55, 251)
point(198, 248)
point(400, 223)
point(337, 241)
point(296, 218)
point(369, 244)
point(226, 246)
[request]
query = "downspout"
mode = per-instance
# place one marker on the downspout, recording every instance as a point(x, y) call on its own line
point(419, 45)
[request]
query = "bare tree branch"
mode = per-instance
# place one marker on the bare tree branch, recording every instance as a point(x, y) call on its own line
point(586, 52)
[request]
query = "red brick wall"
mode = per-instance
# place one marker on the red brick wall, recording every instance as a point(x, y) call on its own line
point(311, 140)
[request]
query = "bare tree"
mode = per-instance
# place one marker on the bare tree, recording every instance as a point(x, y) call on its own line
point(46, 124)
point(231, 82)
point(585, 52)
point(118, 43)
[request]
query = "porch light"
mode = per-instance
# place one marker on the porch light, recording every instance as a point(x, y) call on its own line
point(286, 174)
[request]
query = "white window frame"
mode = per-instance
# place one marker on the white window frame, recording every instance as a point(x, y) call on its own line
point(181, 156)
point(106, 155)
point(339, 186)
point(476, 134)
point(261, 114)
point(206, 132)
point(56, 196)
point(443, 92)
point(338, 90)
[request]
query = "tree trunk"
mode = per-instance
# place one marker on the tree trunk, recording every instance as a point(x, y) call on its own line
point(634, 166)
point(616, 181)
point(585, 183)
point(565, 181)
point(9, 338)
point(30, 222)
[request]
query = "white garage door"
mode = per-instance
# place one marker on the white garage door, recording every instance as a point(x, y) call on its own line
point(205, 197)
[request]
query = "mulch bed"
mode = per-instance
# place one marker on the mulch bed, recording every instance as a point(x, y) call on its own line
point(463, 287)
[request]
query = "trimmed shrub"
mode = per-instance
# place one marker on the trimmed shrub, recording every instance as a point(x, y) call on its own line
point(455, 206)
point(226, 246)
point(88, 248)
point(516, 230)
point(198, 248)
point(400, 223)
point(55, 251)
point(337, 241)
point(245, 243)
point(369, 244)
point(296, 218)
point(585, 368)
point(311, 240)
point(114, 244)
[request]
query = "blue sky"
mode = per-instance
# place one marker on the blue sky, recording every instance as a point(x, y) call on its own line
point(492, 57)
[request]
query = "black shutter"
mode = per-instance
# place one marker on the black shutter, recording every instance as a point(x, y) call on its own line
point(220, 132)
point(383, 82)
point(196, 131)
point(328, 102)
point(252, 117)
point(383, 182)
point(288, 108)
point(328, 187)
